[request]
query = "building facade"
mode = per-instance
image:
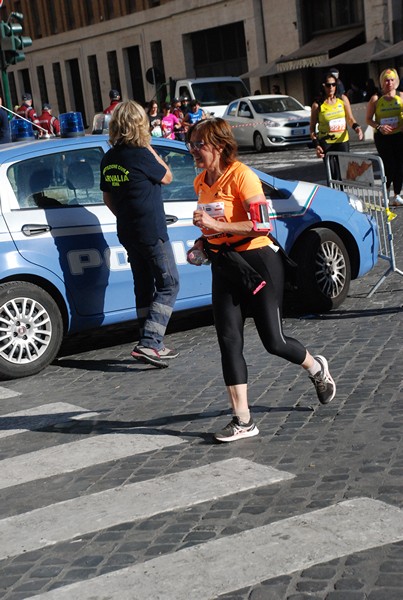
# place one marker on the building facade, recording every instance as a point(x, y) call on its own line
point(82, 49)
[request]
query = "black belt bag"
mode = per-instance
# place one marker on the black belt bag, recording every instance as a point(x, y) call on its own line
point(231, 265)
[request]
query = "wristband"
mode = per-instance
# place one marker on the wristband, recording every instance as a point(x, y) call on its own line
point(355, 126)
point(315, 142)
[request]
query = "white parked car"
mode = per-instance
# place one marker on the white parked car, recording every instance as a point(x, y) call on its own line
point(268, 121)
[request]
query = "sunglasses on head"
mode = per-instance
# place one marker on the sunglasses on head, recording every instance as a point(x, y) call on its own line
point(330, 84)
point(195, 145)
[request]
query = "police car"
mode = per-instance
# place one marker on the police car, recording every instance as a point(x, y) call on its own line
point(63, 269)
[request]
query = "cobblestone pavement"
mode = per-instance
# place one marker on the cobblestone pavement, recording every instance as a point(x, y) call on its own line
point(349, 449)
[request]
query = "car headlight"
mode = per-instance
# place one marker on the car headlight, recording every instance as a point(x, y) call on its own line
point(270, 124)
point(357, 204)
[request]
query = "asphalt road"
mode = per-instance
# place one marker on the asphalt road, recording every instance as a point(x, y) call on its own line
point(111, 485)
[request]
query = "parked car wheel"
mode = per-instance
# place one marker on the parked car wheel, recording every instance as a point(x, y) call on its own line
point(31, 329)
point(258, 142)
point(324, 273)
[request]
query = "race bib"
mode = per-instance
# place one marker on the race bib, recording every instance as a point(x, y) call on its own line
point(337, 125)
point(217, 212)
point(391, 121)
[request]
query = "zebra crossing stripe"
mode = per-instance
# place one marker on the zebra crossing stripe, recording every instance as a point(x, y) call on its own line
point(70, 457)
point(6, 393)
point(222, 566)
point(41, 416)
point(87, 514)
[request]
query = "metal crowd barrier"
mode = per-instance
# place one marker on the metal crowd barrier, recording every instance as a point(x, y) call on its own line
point(363, 176)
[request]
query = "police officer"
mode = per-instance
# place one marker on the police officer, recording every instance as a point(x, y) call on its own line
point(27, 111)
point(47, 121)
point(114, 97)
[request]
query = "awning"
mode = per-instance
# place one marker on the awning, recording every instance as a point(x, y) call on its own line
point(361, 54)
point(392, 52)
point(262, 71)
point(316, 51)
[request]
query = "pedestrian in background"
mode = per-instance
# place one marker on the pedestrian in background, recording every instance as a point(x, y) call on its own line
point(330, 115)
point(131, 177)
point(154, 119)
point(114, 97)
point(226, 191)
point(48, 121)
point(370, 89)
point(384, 114)
point(5, 135)
point(177, 111)
point(194, 115)
point(169, 123)
point(184, 104)
point(340, 85)
point(27, 111)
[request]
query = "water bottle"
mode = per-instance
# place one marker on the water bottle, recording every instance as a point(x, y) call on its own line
point(198, 257)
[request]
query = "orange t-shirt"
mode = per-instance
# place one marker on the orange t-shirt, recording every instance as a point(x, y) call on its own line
point(224, 202)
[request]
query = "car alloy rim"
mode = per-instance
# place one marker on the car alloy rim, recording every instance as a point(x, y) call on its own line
point(25, 330)
point(330, 269)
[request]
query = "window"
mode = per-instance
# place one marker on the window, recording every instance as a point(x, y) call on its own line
point(113, 70)
point(52, 17)
point(88, 12)
point(57, 76)
point(220, 50)
point(43, 90)
point(244, 110)
point(69, 15)
point(60, 180)
point(232, 109)
point(184, 173)
point(13, 89)
point(331, 14)
point(95, 86)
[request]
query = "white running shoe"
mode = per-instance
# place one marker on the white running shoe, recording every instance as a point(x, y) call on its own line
point(236, 430)
point(396, 201)
point(322, 380)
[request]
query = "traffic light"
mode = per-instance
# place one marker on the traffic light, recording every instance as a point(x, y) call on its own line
point(12, 42)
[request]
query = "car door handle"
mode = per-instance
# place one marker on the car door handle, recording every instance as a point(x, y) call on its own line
point(35, 229)
point(170, 219)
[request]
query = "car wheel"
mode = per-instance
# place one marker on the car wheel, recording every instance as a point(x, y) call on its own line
point(258, 142)
point(31, 329)
point(324, 270)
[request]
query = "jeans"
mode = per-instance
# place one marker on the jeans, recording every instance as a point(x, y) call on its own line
point(156, 285)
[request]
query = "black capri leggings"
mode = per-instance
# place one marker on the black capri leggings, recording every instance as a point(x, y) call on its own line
point(390, 149)
point(232, 303)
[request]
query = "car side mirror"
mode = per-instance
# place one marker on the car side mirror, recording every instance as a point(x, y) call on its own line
point(245, 113)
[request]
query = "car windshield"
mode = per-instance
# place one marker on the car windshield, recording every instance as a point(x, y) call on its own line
point(218, 92)
point(276, 105)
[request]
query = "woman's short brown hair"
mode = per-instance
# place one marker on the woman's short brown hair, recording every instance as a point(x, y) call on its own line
point(217, 133)
point(129, 125)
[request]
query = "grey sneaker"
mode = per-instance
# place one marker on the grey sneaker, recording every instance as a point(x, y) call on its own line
point(167, 353)
point(236, 430)
point(149, 356)
point(324, 385)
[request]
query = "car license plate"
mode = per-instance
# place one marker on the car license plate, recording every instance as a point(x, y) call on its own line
point(301, 131)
